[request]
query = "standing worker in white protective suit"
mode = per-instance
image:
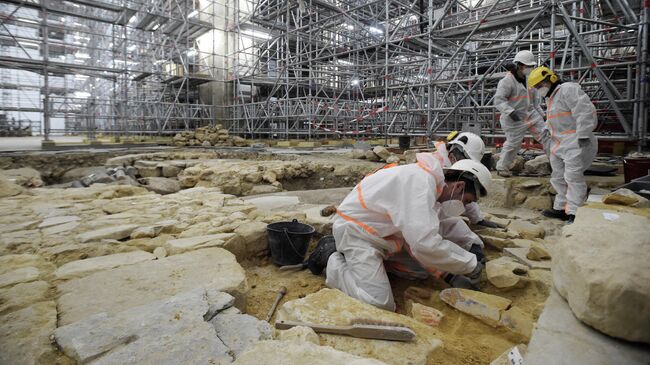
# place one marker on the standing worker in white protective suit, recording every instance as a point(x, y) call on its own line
point(519, 108)
point(571, 119)
point(460, 146)
point(397, 210)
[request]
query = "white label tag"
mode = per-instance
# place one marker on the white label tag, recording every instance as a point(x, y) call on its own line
point(514, 357)
point(611, 216)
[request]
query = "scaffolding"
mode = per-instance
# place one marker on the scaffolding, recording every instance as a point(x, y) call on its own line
point(332, 68)
point(110, 66)
point(310, 68)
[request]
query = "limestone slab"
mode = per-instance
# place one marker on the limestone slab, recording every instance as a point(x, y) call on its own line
point(519, 253)
point(299, 353)
point(22, 295)
point(53, 221)
point(22, 275)
point(274, 202)
point(87, 266)
point(181, 245)
point(505, 272)
point(168, 331)
point(600, 267)
point(561, 339)
point(239, 331)
point(12, 227)
point(299, 334)
point(60, 228)
point(112, 291)
point(330, 306)
point(491, 309)
point(115, 233)
point(485, 307)
point(526, 229)
point(25, 335)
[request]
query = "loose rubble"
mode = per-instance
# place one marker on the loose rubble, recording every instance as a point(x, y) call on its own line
point(208, 136)
point(172, 239)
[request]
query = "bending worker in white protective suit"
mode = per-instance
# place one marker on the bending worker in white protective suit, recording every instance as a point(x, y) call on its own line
point(397, 209)
point(571, 119)
point(465, 145)
point(519, 108)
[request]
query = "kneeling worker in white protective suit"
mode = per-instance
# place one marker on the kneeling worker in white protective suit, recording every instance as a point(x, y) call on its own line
point(571, 119)
point(397, 209)
point(519, 108)
point(461, 146)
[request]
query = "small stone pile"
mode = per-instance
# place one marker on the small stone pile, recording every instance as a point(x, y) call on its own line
point(208, 136)
point(377, 154)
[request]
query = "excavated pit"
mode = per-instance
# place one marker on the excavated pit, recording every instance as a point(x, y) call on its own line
point(224, 199)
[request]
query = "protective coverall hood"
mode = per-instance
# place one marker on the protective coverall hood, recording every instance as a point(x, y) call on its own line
point(392, 211)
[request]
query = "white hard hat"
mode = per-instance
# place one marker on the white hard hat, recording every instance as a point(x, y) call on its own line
point(525, 57)
point(478, 170)
point(472, 145)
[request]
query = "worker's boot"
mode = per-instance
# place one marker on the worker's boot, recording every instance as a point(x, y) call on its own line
point(570, 218)
point(317, 261)
point(556, 214)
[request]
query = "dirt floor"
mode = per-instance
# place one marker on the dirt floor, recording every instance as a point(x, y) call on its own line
point(466, 340)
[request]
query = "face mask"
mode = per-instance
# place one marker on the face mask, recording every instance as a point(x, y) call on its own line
point(452, 208)
point(527, 71)
point(543, 91)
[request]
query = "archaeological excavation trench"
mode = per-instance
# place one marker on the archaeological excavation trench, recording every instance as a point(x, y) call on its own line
point(145, 256)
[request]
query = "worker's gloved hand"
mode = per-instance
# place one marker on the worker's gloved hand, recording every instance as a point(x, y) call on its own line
point(487, 223)
point(515, 116)
point(459, 281)
point(584, 142)
point(478, 251)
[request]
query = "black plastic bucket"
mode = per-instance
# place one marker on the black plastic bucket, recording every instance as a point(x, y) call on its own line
point(404, 142)
point(288, 241)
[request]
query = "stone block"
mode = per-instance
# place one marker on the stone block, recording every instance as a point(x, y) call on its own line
point(526, 229)
point(559, 338)
point(161, 185)
point(491, 309)
point(22, 275)
point(113, 233)
point(181, 245)
point(115, 290)
point(300, 353)
point(171, 170)
point(600, 267)
point(22, 295)
point(299, 334)
point(382, 152)
point(168, 331)
point(153, 171)
point(505, 272)
point(240, 331)
point(84, 267)
point(520, 253)
point(329, 306)
point(53, 221)
point(485, 307)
